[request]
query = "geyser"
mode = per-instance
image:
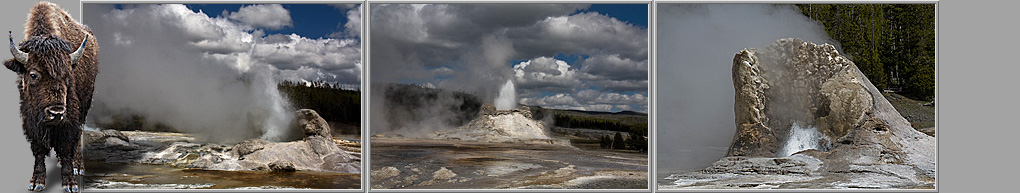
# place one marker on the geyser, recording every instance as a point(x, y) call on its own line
point(800, 139)
point(276, 124)
point(161, 78)
point(507, 98)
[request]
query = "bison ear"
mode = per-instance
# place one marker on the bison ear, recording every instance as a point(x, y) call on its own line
point(15, 66)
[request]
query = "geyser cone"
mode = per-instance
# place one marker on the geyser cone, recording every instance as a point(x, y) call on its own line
point(502, 126)
point(507, 98)
point(796, 95)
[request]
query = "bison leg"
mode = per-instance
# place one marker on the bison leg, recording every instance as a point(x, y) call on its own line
point(39, 151)
point(79, 161)
point(66, 153)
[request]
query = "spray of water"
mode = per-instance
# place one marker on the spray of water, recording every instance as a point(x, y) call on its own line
point(800, 139)
point(276, 122)
point(507, 98)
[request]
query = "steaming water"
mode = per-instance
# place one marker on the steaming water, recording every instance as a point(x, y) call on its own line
point(280, 115)
point(88, 128)
point(507, 98)
point(800, 139)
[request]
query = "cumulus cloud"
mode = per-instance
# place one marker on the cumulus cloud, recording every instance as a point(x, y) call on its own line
point(353, 25)
point(271, 16)
point(589, 33)
point(589, 100)
point(474, 44)
point(546, 74)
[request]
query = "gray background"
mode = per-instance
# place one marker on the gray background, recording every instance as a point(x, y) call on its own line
point(17, 161)
point(977, 109)
point(976, 81)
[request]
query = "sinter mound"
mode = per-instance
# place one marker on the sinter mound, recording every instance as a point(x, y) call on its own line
point(503, 126)
point(861, 140)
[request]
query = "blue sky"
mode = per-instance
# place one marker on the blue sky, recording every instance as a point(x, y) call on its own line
point(636, 14)
point(310, 20)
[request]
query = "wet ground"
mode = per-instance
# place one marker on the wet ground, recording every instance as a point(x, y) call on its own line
point(127, 169)
point(673, 160)
point(435, 164)
point(146, 176)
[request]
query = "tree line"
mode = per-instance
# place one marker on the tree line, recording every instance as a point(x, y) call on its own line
point(892, 44)
point(332, 101)
point(571, 121)
point(635, 140)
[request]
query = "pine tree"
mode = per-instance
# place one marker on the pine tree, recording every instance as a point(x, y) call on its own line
point(618, 142)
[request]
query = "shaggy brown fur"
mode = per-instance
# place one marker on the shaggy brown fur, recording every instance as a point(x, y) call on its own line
point(49, 80)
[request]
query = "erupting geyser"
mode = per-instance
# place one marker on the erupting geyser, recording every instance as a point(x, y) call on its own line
point(800, 139)
point(794, 96)
point(507, 98)
point(276, 125)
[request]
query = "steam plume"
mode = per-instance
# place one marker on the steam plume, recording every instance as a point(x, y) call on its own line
point(155, 70)
point(695, 51)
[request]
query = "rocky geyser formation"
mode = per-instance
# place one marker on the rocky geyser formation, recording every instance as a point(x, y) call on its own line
point(502, 126)
point(865, 142)
point(315, 152)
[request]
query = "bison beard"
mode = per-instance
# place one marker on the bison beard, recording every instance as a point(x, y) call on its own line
point(55, 81)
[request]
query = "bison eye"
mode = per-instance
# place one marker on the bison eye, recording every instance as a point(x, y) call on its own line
point(33, 75)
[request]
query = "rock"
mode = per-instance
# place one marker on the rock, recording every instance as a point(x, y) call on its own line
point(793, 81)
point(101, 136)
point(385, 172)
point(282, 166)
point(305, 156)
point(116, 134)
point(112, 139)
point(312, 123)
point(439, 176)
point(864, 141)
point(487, 109)
point(248, 146)
point(321, 145)
point(443, 174)
point(118, 144)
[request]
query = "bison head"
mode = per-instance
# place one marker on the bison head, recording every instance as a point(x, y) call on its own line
point(44, 64)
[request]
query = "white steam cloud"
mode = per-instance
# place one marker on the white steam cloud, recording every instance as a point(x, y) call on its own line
point(209, 76)
point(697, 43)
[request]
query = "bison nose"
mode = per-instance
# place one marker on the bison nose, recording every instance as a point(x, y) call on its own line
point(55, 112)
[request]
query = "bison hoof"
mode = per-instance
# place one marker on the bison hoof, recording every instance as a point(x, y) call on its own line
point(36, 187)
point(72, 189)
point(79, 172)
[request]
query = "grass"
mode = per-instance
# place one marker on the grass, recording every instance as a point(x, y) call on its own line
point(919, 116)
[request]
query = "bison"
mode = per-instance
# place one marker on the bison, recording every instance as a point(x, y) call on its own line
point(56, 66)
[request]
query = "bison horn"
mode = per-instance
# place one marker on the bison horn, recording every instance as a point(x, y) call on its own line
point(16, 51)
point(81, 50)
